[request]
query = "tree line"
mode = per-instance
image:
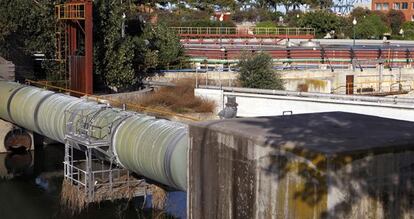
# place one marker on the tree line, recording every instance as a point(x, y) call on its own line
point(121, 61)
point(240, 5)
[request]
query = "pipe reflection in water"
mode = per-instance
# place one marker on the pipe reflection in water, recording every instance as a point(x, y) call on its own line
point(38, 190)
point(15, 163)
point(18, 162)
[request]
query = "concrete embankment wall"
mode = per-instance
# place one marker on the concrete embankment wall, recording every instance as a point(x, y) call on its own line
point(254, 102)
point(327, 165)
point(322, 80)
point(7, 70)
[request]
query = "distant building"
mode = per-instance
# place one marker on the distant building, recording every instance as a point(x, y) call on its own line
point(407, 7)
point(226, 16)
point(148, 13)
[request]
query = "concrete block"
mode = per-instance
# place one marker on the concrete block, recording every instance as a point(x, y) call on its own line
point(323, 165)
point(7, 70)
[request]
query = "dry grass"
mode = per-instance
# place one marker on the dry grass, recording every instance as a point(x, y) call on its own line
point(73, 198)
point(159, 197)
point(179, 99)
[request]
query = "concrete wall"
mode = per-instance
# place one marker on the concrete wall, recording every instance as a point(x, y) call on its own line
point(5, 128)
point(268, 168)
point(317, 80)
point(371, 186)
point(7, 70)
point(253, 105)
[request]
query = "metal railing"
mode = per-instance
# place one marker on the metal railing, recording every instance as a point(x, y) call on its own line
point(243, 32)
point(70, 11)
point(116, 103)
point(317, 55)
point(79, 124)
point(358, 98)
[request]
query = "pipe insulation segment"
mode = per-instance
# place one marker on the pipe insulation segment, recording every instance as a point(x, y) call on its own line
point(104, 118)
point(7, 89)
point(154, 148)
point(51, 115)
point(23, 105)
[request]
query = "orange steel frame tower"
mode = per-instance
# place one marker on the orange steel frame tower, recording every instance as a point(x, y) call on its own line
point(74, 43)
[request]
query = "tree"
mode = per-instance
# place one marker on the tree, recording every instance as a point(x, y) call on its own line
point(319, 4)
point(395, 20)
point(113, 54)
point(211, 5)
point(287, 4)
point(359, 13)
point(123, 62)
point(372, 27)
point(256, 71)
point(321, 20)
point(408, 28)
point(26, 27)
point(156, 49)
point(292, 17)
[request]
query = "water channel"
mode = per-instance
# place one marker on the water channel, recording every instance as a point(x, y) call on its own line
point(30, 185)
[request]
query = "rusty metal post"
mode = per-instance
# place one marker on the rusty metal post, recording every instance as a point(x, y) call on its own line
point(88, 82)
point(72, 36)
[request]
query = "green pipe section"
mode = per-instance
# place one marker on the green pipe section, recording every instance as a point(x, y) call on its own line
point(7, 89)
point(52, 117)
point(154, 148)
point(23, 106)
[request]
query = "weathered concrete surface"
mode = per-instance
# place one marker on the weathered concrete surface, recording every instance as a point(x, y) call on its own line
point(317, 80)
point(324, 165)
point(257, 102)
point(5, 128)
point(7, 70)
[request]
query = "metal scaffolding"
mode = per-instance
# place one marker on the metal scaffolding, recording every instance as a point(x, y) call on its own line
point(96, 175)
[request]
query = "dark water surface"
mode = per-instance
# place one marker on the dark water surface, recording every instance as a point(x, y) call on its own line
point(30, 184)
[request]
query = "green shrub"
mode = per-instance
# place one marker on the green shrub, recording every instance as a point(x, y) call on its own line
point(292, 18)
point(256, 71)
point(256, 15)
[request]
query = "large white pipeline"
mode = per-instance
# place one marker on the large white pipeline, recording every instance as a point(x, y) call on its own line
point(154, 148)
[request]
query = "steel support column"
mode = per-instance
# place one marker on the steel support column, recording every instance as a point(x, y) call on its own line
point(88, 81)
